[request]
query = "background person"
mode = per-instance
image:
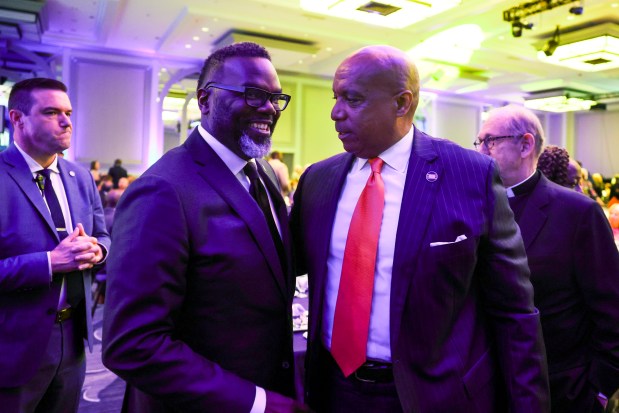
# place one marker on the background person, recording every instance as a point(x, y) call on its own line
point(573, 260)
point(51, 233)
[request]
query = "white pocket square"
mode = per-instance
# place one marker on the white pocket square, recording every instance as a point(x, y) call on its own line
point(458, 239)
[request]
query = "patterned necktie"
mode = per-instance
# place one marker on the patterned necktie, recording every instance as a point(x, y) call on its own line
point(45, 185)
point(259, 193)
point(354, 300)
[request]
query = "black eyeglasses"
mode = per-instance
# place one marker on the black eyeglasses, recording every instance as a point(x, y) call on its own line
point(489, 141)
point(255, 97)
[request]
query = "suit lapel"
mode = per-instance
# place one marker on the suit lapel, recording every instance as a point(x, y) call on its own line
point(69, 181)
point(281, 210)
point(533, 217)
point(332, 179)
point(418, 200)
point(214, 171)
point(21, 174)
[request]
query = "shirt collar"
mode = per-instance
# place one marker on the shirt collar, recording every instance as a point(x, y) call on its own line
point(34, 165)
point(520, 187)
point(232, 160)
point(396, 156)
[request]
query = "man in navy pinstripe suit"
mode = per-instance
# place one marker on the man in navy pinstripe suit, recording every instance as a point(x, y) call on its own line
point(452, 326)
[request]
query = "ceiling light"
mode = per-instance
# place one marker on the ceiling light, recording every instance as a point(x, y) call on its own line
point(455, 45)
point(552, 44)
point(590, 50)
point(389, 13)
point(559, 100)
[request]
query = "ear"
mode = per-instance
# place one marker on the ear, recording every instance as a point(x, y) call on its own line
point(527, 145)
point(203, 103)
point(403, 102)
point(16, 117)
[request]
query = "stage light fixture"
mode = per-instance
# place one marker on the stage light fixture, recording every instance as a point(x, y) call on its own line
point(518, 27)
point(552, 44)
point(577, 10)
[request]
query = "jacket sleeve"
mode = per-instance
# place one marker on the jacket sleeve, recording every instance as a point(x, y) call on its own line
point(146, 286)
point(508, 298)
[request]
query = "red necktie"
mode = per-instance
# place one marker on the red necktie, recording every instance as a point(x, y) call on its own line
point(354, 300)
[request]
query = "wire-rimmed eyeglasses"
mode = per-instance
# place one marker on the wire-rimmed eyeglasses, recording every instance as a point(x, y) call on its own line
point(489, 141)
point(255, 97)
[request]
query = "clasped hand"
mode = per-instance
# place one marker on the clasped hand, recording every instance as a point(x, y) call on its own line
point(77, 252)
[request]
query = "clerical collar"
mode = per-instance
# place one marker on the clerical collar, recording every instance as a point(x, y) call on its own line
point(525, 186)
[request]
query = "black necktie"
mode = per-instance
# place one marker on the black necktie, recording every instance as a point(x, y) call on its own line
point(259, 193)
point(74, 285)
point(45, 185)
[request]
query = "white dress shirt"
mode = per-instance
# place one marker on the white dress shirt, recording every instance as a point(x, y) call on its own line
point(236, 165)
point(64, 205)
point(394, 177)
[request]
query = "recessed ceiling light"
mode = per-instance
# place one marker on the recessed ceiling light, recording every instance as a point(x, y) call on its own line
point(196, 38)
point(187, 46)
point(395, 14)
point(205, 29)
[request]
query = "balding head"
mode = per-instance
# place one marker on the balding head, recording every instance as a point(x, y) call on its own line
point(377, 92)
point(513, 136)
point(394, 69)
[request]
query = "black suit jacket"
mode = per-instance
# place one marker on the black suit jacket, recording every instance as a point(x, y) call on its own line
point(575, 274)
point(198, 307)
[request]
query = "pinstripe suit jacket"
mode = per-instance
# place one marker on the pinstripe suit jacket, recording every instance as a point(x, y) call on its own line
point(465, 335)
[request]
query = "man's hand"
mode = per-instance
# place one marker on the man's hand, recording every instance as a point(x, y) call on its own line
point(77, 252)
point(276, 403)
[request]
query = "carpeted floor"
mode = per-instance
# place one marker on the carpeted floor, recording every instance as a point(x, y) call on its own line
point(103, 391)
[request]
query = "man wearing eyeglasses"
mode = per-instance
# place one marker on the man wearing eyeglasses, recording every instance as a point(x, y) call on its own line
point(200, 286)
point(573, 260)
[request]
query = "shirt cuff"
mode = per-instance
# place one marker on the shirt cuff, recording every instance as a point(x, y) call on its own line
point(260, 402)
point(49, 266)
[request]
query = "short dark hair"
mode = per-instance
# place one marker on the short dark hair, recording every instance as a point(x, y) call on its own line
point(219, 56)
point(118, 162)
point(20, 97)
point(553, 162)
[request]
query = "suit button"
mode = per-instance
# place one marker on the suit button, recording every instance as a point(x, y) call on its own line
point(285, 365)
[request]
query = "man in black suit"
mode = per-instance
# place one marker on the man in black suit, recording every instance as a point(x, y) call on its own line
point(199, 288)
point(117, 172)
point(573, 260)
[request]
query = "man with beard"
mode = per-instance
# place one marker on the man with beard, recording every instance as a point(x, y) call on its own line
point(200, 286)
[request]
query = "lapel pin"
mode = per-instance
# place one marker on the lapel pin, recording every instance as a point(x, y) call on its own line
point(431, 176)
point(72, 173)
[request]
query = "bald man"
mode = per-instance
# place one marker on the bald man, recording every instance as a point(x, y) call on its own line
point(450, 324)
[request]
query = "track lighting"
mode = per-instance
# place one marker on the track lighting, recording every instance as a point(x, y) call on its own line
point(552, 44)
point(518, 26)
